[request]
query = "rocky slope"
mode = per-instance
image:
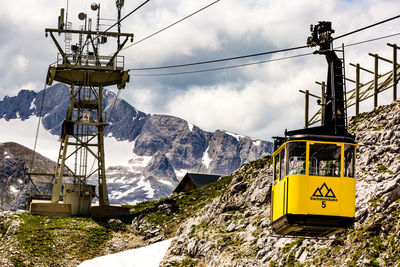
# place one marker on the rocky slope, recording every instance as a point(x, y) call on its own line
point(14, 184)
point(171, 145)
point(227, 223)
point(233, 230)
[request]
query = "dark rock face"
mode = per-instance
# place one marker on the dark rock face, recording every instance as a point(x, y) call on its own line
point(160, 174)
point(172, 136)
point(223, 150)
point(14, 184)
point(160, 168)
point(126, 122)
point(17, 106)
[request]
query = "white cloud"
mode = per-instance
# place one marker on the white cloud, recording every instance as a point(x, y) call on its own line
point(20, 63)
point(260, 100)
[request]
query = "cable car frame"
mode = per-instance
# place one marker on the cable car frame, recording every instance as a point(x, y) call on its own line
point(314, 185)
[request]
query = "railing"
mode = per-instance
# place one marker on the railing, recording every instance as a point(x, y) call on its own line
point(91, 60)
point(362, 91)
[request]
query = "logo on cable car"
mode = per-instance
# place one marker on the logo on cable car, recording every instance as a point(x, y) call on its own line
point(324, 193)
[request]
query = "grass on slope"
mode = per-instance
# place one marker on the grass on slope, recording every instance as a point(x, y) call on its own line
point(48, 241)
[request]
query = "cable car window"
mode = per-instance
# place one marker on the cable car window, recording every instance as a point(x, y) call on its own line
point(296, 158)
point(349, 160)
point(282, 164)
point(276, 167)
point(325, 159)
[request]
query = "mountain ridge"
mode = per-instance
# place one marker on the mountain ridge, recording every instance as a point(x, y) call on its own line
point(184, 145)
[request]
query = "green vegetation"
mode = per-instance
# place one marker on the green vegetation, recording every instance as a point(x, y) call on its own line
point(187, 262)
point(251, 169)
point(384, 169)
point(289, 246)
point(48, 241)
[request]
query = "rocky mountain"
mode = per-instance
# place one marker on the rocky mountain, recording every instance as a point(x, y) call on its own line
point(226, 223)
point(170, 145)
point(14, 184)
point(234, 229)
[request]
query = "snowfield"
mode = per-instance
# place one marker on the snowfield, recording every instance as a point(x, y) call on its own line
point(148, 256)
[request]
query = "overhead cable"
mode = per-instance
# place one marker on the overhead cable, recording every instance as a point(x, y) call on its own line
point(223, 68)
point(260, 54)
point(169, 26)
point(223, 59)
point(366, 27)
point(374, 39)
point(119, 21)
point(127, 15)
point(259, 62)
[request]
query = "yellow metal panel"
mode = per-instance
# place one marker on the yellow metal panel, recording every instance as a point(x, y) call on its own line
point(348, 204)
point(297, 199)
point(324, 195)
point(278, 194)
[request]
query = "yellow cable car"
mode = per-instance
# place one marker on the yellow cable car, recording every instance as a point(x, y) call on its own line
point(313, 190)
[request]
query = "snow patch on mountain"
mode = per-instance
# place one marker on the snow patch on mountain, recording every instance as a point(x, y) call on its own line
point(13, 189)
point(146, 186)
point(33, 106)
point(180, 173)
point(257, 142)
point(139, 161)
point(149, 256)
point(190, 126)
point(237, 136)
point(206, 159)
point(166, 182)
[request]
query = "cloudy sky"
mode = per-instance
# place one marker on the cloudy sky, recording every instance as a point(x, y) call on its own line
point(260, 100)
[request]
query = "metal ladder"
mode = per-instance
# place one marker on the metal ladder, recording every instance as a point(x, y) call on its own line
point(342, 83)
point(68, 39)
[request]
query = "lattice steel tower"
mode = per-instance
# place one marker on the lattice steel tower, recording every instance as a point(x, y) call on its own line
point(82, 137)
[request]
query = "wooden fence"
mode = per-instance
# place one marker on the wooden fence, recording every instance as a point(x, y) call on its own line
point(362, 91)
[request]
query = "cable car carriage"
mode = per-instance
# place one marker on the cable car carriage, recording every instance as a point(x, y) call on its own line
point(313, 190)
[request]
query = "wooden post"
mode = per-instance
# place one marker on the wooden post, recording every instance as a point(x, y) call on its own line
point(323, 103)
point(376, 76)
point(307, 97)
point(395, 72)
point(357, 89)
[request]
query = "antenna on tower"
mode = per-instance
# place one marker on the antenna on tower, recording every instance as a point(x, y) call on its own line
point(96, 7)
point(119, 4)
